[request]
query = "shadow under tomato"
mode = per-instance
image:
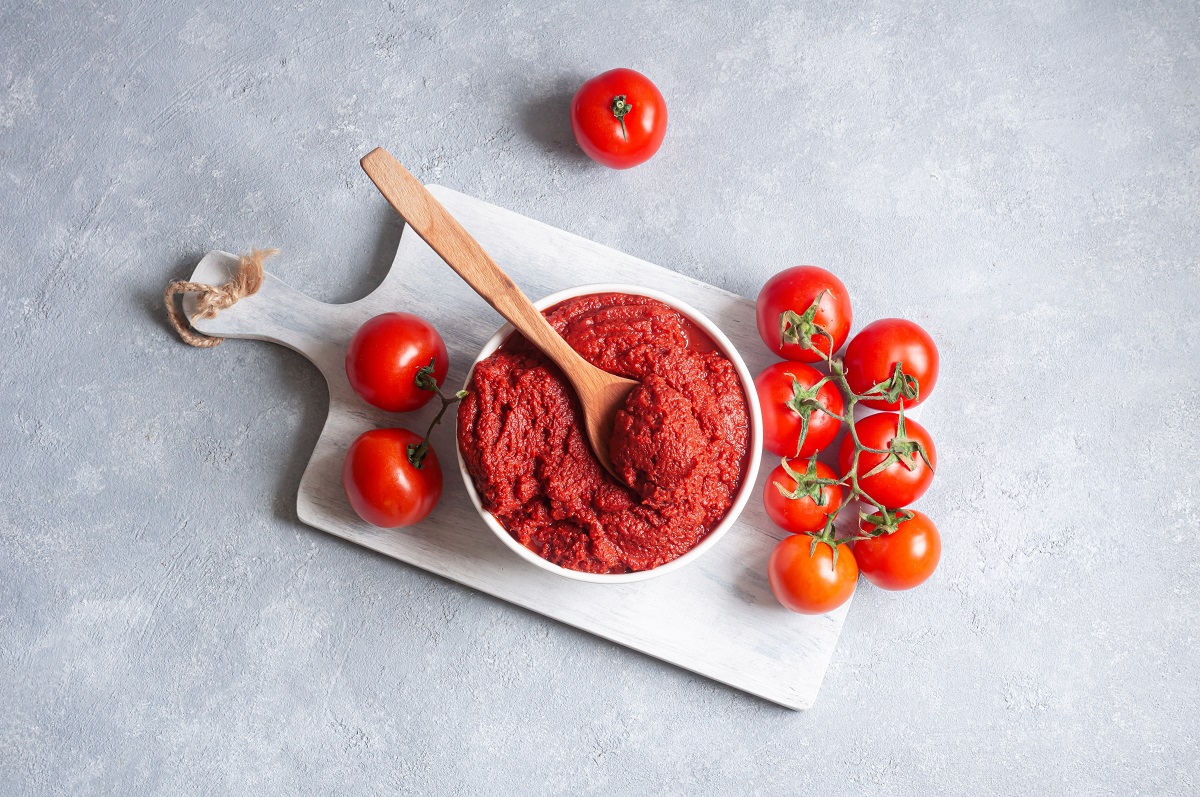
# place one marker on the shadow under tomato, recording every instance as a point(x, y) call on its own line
point(546, 119)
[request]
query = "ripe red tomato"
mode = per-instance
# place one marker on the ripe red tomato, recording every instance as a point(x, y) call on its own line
point(619, 118)
point(807, 580)
point(902, 559)
point(801, 513)
point(384, 356)
point(794, 290)
point(906, 476)
point(787, 398)
point(872, 356)
point(383, 485)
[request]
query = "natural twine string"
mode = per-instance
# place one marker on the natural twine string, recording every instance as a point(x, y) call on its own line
point(246, 281)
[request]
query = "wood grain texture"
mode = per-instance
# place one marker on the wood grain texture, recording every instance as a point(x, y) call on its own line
point(716, 617)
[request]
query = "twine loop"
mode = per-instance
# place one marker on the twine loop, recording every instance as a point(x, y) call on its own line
point(246, 280)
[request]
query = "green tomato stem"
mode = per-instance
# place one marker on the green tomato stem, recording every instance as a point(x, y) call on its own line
point(425, 381)
point(619, 108)
point(851, 479)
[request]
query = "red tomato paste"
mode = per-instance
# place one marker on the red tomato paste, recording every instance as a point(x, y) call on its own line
point(680, 442)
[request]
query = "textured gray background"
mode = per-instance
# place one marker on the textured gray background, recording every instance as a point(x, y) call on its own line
point(1024, 181)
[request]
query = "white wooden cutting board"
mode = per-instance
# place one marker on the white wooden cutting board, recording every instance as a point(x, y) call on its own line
point(715, 617)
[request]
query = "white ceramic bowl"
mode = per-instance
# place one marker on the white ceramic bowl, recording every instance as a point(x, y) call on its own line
point(748, 478)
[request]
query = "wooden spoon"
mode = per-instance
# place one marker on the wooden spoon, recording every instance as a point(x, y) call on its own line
point(600, 393)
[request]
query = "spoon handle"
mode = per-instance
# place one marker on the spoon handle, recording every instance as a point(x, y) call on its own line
point(430, 219)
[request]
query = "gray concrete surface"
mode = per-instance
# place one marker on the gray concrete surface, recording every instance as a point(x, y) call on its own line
point(1023, 180)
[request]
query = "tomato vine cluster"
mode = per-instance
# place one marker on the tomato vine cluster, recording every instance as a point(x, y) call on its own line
point(884, 463)
point(396, 362)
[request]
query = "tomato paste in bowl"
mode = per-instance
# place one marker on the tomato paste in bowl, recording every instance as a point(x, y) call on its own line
point(687, 441)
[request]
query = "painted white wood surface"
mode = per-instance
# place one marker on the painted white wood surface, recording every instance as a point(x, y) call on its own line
point(716, 617)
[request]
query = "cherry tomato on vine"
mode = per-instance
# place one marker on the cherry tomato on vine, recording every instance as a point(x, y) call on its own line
point(384, 356)
point(619, 118)
point(382, 483)
point(902, 559)
point(789, 323)
point(872, 357)
point(797, 510)
point(806, 579)
point(785, 391)
point(906, 475)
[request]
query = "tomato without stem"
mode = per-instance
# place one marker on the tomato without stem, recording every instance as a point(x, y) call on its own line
point(383, 485)
point(785, 392)
point(873, 354)
point(906, 476)
point(384, 356)
point(619, 118)
point(795, 290)
point(807, 580)
point(903, 559)
point(807, 511)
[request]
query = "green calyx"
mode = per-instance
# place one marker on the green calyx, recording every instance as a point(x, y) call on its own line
point(620, 106)
point(883, 522)
point(828, 536)
point(898, 386)
point(902, 449)
point(802, 329)
point(417, 452)
point(804, 403)
point(424, 377)
point(808, 484)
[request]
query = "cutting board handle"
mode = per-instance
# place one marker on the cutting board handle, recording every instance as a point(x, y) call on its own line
point(280, 314)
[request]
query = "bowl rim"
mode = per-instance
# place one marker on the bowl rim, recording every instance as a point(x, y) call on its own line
point(749, 477)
